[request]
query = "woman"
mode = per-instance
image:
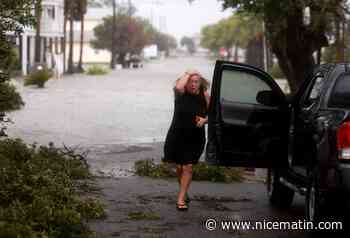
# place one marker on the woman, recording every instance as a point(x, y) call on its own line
point(185, 139)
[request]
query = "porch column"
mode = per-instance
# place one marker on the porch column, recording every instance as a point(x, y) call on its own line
point(24, 50)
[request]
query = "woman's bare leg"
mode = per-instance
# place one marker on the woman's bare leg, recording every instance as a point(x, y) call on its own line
point(179, 173)
point(186, 179)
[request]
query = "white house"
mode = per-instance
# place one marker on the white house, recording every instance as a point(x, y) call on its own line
point(93, 17)
point(52, 22)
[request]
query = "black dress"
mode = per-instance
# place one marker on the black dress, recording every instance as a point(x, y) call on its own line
point(185, 141)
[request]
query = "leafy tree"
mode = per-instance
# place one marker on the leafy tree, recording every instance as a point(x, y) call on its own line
point(130, 36)
point(293, 40)
point(165, 42)
point(128, 10)
point(189, 43)
point(239, 30)
point(14, 16)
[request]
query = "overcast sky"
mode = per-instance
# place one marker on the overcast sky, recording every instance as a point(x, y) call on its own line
point(178, 17)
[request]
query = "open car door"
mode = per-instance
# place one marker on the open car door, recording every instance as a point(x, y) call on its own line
point(248, 118)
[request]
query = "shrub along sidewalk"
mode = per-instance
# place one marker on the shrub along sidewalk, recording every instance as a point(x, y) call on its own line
point(41, 192)
point(201, 171)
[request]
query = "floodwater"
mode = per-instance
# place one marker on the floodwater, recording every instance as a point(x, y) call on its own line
point(119, 117)
point(123, 107)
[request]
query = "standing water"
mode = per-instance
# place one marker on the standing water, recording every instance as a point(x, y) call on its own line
point(106, 114)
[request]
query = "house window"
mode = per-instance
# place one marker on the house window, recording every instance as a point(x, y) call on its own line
point(51, 12)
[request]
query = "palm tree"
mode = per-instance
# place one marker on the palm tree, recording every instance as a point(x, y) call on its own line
point(66, 13)
point(38, 14)
point(82, 12)
point(113, 35)
point(72, 8)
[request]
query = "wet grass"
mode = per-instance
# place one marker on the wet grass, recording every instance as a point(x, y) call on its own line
point(97, 70)
point(201, 171)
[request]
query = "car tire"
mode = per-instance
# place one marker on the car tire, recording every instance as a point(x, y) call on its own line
point(279, 194)
point(313, 203)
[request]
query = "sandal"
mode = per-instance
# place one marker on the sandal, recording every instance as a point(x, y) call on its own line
point(181, 206)
point(187, 199)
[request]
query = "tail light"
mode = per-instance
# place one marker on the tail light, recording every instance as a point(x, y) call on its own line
point(343, 141)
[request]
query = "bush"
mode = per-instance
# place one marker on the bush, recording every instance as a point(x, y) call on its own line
point(201, 171)
point(39, 193)
point(38, 77)
point(276, 72)
point(10, 99)
point(10, 62)
point(96, 70)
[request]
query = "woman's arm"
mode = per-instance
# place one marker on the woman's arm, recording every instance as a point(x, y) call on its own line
point(181, 83)
point(207, 98)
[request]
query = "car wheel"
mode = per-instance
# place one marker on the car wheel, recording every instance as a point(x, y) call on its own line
point(313, 199)
point(279, 194)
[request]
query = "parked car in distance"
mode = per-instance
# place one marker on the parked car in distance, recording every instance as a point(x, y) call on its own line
point(304, 141)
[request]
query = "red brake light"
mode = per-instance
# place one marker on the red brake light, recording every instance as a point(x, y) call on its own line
point(343, 141)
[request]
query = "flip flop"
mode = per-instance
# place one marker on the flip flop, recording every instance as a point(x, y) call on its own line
point(181, 207)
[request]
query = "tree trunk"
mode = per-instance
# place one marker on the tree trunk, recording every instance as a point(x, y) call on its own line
point(121, 59)
point(38, 14)
point(82, 28)
point(229, 53)
point(64, 39)
point(236, 53)
point(294, 56)
point(255, 52)
point(113, 36)
point(71, 40)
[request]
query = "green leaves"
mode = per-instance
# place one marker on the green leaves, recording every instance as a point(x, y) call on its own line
point(236, 30)
point(39, 195)
point(201, 171)
point(14, 16)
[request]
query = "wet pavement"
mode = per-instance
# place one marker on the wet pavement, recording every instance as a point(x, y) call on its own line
point(231, 202)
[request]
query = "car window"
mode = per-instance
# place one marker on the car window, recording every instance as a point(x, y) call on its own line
point(242, 87)
point(314, 93)
point(340, 95)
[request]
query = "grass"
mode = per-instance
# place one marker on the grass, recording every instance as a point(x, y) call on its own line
point(97, 70)
point(201, 171)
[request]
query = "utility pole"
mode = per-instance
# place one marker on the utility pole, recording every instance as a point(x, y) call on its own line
point(113, 34)
point(129, 8)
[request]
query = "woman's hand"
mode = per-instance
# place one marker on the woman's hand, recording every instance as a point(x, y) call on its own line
point(201, 121)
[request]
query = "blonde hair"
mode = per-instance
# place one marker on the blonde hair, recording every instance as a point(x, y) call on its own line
point(204, 83)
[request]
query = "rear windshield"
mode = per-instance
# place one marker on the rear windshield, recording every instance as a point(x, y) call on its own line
point(340, 96)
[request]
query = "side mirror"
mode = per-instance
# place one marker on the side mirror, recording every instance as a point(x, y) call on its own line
point(268, 98)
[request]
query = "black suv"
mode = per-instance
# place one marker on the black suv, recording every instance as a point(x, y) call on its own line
point(304, 141)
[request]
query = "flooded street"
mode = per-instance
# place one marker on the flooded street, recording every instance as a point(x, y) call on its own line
point(123, 107)
point(123, 111)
